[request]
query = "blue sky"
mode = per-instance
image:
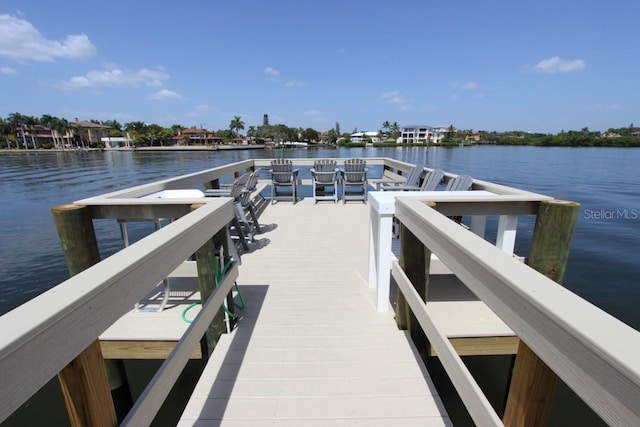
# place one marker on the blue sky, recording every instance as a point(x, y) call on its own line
point(542, 66)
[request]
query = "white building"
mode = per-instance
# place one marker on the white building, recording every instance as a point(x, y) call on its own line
point(365, 136)
point(423, 134)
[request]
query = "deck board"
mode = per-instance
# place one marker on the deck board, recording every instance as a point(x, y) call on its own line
point(310, 347)
point(310, 329)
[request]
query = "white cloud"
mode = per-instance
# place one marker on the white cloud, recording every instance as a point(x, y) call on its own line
point(202, 107)
point(115, 77)
point(271, 71)
point(20, 41)
point(559, 65)
point(293, 83)
point(164, 95)
point(469, 86)
point(7, 70)
point(394, 98)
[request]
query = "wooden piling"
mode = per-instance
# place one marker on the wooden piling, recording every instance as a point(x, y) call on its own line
point(212, 185)
point(415, 260)
point(532, 387)
point(84, 381)
point(206, 261)
point(85, 389)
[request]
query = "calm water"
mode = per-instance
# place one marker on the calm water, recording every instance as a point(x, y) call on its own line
point(603, 267)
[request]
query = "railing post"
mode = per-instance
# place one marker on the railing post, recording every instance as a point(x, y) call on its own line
point(479, 225)
point(84, 381)
point(533, 384)
point(206, 259)
point(506, 237)
point(415, 260)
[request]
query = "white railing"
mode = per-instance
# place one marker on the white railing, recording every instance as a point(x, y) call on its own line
point(595, 354)
point(39, 338)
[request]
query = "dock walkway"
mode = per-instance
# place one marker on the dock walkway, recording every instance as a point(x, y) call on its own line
point(310, 348)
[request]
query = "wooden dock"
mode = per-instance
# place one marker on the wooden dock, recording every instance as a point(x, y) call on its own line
point(310, 336)
point(310, 348)
point(315, 344)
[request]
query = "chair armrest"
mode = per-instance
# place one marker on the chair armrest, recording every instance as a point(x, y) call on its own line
point(217, 193)
point(380, 181)
point(402, 188)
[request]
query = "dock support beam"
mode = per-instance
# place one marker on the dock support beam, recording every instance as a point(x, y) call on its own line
point(84, 382)
point(206, 260)
point(415, 260)
point(533, 383)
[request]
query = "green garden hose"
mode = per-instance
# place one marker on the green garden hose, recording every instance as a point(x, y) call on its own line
point(217, 279)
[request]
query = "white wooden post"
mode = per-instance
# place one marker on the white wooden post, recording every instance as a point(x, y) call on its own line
point(479, 224)
point(380, 225)
point(506, 238)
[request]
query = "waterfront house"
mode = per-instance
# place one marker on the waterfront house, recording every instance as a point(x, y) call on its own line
point(416, 134)
point(365, 136)
point(473, 136)
point(90, 133)
point(196, 136)
point(423, 134)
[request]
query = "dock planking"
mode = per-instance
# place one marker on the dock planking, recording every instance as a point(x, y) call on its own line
point(310, 347)
point(310, 329)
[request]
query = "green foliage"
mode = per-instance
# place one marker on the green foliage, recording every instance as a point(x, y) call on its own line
point(236, 125)
point(226, 134)
point(390, 144)
point(14, 133)
point(310, 134)
point(332, 136)
point(582, 138)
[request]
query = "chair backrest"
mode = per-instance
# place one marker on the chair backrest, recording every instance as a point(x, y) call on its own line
point(460, 183)
point(239, 184)
point(252, 182)
point(354, 170)
point(432, 180)
point(281, 170)
point(414, 175)
point(324, 170)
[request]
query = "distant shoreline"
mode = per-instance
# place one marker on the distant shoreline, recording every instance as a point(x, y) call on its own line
point(133, 149)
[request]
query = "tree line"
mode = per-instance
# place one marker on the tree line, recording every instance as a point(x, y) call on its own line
point(153, 134)
point(614, 137)
point(15, 126)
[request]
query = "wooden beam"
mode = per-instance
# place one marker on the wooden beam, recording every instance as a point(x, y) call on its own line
point(141, 349)
point(85, 389)
point(84, 381)
point(415, 260)
point(533, 383)
point(483, 346)
point(206, 260)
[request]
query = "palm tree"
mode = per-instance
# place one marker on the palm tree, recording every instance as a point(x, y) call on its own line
point(395, 129)
point(61, 127)
point(236, 125)
point(17, 121)
point(5, 130)
point(450, 132)
point(48, 121)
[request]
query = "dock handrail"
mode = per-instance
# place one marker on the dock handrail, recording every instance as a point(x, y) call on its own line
point(39, 338)
point(591, 351)
point(149, 403)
